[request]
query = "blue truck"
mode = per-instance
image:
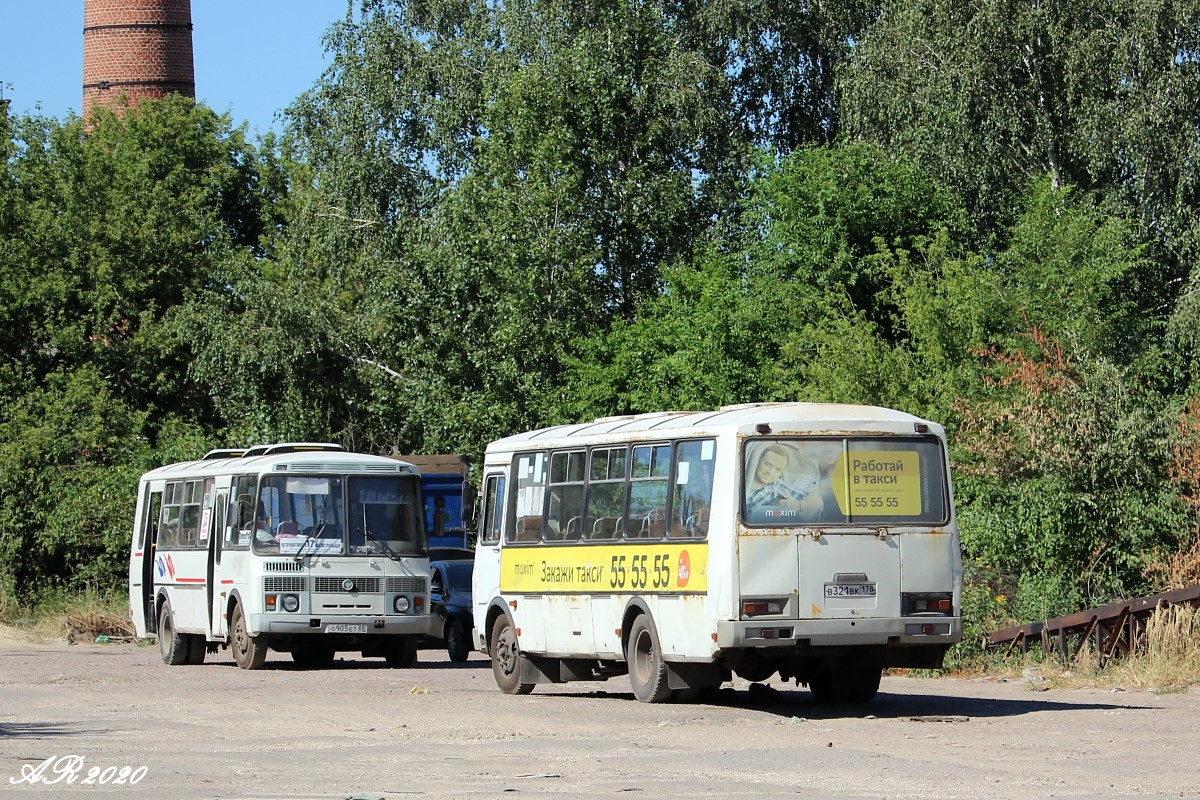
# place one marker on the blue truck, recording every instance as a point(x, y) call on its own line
point(448, 497)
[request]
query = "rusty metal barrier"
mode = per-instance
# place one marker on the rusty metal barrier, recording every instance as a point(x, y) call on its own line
point(1117, 628)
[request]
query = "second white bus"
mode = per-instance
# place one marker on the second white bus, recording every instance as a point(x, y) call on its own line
point(817, 542)
point(302, 548)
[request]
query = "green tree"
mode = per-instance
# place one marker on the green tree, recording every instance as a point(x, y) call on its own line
point(105, 232)
point(990, 96)
point(797, 305)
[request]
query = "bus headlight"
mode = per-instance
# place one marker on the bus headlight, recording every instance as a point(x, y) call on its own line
point(291, 602)
point(400, 604)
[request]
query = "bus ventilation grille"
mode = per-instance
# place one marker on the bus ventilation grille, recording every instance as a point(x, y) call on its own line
point(358, 585)
point(283, 566)
point(283, 584)
point(407, 585)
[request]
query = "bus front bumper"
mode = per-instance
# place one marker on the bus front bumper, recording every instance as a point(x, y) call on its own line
point(390, 624)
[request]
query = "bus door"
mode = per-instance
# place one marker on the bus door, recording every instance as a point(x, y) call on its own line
point(850, 561)
point(217, 527)
point(485, 582)
point(151, 508)
point(845, 575)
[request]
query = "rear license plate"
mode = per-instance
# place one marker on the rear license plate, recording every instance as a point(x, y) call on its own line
point(849, 590)
point(340, 628)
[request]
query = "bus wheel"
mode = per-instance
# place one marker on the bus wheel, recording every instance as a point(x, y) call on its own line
point(172, 645)
point(312, 656)
point(647, 670)
point(849, 683)
point(506, 658)
point(248, 652)
point(403, 653)
point(197, 646)
point(457, 646)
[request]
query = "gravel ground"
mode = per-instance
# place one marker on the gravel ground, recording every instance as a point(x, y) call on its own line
point(442, 730)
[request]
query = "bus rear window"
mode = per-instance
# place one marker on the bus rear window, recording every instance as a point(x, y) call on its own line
point(844, 481)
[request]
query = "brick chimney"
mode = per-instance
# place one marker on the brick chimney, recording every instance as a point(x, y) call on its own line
point(141, 49)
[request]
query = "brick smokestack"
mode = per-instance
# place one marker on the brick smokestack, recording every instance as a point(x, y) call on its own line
point(141, 49)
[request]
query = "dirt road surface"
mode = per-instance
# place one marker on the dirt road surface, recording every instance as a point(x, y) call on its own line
point(441, 730)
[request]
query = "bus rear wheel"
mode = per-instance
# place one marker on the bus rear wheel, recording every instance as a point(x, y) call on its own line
point(248, 651)
point(506, 658)
point(174, 647)
point(647, 670)
point(402, 653)
point(849, 682)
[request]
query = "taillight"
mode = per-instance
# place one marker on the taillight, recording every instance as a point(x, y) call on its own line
point(939, 603)
point(754, 608)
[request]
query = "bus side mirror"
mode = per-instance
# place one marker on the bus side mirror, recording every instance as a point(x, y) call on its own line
point(470, 500)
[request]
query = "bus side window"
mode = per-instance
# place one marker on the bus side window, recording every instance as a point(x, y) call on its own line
point(168, 527)
point(529, 498)
point(691, 495)
point(564, 516)
point(647, 516)
point(606, 494)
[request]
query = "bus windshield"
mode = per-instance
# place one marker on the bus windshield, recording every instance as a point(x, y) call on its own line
point(844, 481)
point(337, 515)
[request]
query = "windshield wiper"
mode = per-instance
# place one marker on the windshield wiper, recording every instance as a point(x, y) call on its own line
point(316, 534)
point(392, 554)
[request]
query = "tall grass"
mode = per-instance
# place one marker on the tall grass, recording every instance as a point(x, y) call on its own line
point(72, 616)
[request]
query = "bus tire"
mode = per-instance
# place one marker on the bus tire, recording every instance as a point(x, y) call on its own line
point(197, 646)
point(403, 653)
point(849, 683)
point(249, 652)
point(457, 646)
point(506, 658)
point(313, 656)
point(173, 646)
point(647, 670)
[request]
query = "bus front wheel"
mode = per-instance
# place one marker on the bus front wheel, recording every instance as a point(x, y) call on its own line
point(647, 670)
point(249, 652)
point(506, 658)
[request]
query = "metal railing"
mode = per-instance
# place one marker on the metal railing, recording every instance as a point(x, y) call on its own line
point(1116, 629)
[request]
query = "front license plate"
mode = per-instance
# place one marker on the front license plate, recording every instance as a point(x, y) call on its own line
point(849, 590)
point(340, 628)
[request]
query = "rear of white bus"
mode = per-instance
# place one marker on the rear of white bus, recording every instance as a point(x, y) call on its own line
point(847, 557)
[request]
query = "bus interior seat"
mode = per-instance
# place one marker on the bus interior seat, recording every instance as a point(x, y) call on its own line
point(288, 527)
point(529, 529)
point(604, 528)
point(574, 530)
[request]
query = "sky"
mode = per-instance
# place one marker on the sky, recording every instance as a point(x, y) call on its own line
point(252, 57)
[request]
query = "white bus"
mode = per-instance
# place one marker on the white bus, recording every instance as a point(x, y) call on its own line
point(302, 548)
point(814, 541)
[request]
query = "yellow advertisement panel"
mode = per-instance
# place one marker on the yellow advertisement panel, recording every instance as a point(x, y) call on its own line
point(605, 569)
point(879, 482)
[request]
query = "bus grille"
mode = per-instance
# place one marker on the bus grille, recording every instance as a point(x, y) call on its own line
point(360, 585)
point(406, 584)
point(283, 584)
point(283, 566)
point(348, 466)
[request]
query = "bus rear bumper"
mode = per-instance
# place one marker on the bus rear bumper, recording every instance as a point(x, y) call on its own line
point(841, 632)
